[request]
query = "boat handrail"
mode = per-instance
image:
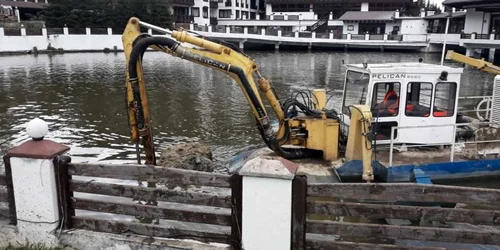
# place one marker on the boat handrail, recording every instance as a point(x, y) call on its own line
point(451, 144)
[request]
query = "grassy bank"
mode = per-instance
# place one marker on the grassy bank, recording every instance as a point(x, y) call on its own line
point(32, 247)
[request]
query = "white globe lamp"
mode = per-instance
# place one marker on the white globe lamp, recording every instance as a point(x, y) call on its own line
point(37, 129)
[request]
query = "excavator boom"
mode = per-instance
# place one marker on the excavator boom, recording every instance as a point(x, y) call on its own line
point(480, 64)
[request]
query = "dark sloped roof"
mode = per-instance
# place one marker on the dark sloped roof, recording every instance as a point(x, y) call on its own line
point(445, 15)
point(22, 4)
point(367, 15)
point(462, 3)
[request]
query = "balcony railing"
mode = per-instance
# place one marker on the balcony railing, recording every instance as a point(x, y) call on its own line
point(183, 18)
point(184, 2)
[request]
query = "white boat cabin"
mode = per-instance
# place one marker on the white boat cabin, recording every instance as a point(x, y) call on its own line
point(417, 95)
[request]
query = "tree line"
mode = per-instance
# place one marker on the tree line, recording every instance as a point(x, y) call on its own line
point(105, 13)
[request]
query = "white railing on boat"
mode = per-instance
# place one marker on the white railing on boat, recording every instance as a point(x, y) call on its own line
point(483, 100)
point(452, 144)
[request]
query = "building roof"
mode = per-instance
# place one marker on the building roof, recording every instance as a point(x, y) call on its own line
point(472, 3)
point(367, 15)
point(22, 4)
point(457, 14)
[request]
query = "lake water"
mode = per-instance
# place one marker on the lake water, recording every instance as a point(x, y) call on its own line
point(82, 97)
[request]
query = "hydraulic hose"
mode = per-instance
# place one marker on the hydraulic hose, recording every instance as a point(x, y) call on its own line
point(138, 50)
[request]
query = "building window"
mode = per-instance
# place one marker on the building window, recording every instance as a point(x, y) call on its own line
point(385, 100)
point(195, 11)
point(205, 12)
point(444, 99)
point(225, 13)
point(418, 99)
point(237, 14)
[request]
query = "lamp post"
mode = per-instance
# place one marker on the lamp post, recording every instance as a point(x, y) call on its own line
point(448, 17)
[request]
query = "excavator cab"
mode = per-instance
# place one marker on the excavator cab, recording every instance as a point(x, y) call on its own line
point(420, 98)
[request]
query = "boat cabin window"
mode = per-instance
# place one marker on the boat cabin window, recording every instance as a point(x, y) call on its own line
point(444, 99)
point(356, 87)
point(418, 99)
point(385, 100)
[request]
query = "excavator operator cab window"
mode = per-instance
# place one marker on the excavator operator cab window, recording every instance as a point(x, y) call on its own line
point(444, 99)
point(385, 102)
point(418, 99)
point(356, 88)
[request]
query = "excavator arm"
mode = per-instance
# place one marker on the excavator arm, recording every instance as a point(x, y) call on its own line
point(480, 64)
point(211, 54)
point(316, 132)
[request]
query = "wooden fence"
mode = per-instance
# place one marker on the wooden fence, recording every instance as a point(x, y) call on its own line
point(198, 205)
point(358, 215)
point(8, 206)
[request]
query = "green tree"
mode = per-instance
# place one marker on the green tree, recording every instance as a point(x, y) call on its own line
point(106, 13)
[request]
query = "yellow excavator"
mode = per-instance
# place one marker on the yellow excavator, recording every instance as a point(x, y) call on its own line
point(312, 134)
point(479, 64)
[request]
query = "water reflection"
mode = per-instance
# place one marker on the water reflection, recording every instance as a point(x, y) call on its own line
point(82, 97)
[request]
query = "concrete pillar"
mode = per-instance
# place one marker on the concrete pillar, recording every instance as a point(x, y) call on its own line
point(110, 31)
point(18, 15)
point(330, 16)
point(367, 36)
point(245, 30)
point(263, 31)
point(242, 44)
point(386, 37)
point(473, 35)
point(36, 1)
point(492, 36)
point(257, 16)
point(44, 31)
point(191, 26)
point(88, 32)
point(396, 14)
point(35, 186)
point(210, 28)
point(349, 36)
point(66, 30)
point(150, 31)
point(267, 198)
point(2, 31)
point(313, 35)
point(296, 34)
point(228, 29)
point(330, 36)
point(491, 56)
point(468, 52)
point(23, 30)
point(279, 33)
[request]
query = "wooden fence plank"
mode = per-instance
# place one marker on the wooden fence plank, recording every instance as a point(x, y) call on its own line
point(406, 192)
point(378, 211)
point(10, 190)
point(404, 232)
point(180, 213)
point(121, 227)
point(168, 195)
point(4, 197)
point(299, 199)
point(343, 245)
point(236, 210)
point(3, 180)
point(4, 212)
point(172, 176)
